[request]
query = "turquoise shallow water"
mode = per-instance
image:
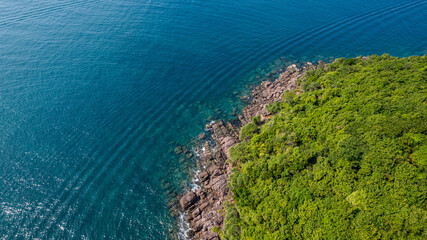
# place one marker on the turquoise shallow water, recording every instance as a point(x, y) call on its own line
point(94, 96)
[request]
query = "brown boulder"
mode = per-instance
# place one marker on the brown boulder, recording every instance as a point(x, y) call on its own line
point(203, 176)
point(309, 66)
point(217, 172)
point(264, 94)
point(219, 184)
point(227, 143)
point(197, 226)
point(188, 200)
point(212, 168)
point(196, 212)
point(201, 194)
point(190, 234)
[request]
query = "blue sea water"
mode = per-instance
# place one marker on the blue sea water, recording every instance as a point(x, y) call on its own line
point(95, 95)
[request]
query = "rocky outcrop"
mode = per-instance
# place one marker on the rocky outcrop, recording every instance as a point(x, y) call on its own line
point(226, 136)
point(203, 207)
point(268, 92)
point(188, 200)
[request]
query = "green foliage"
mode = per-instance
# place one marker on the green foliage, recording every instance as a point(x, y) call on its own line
point(217, 230)
point(257, 120)
point(232, 222)
point(248, 131)
point(345, 159)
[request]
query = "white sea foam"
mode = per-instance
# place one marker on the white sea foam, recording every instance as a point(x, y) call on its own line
point(183, 227)
point(197, 150)
point(193, 185)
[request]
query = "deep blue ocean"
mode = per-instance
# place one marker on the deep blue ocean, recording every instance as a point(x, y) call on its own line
point(95, 95)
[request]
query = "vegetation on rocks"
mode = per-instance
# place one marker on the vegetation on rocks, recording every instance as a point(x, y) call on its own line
point(248, 131)
point(343, 157)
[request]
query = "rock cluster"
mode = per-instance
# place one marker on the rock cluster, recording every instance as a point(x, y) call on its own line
point(204, 207)
point(268, 92)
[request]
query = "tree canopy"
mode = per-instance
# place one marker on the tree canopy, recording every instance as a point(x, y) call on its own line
point(343, 157)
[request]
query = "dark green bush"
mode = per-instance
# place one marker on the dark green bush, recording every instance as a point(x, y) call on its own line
point(256, 120)
point(232, 226)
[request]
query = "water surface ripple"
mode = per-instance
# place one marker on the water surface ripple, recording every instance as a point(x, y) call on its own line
point(95, 95)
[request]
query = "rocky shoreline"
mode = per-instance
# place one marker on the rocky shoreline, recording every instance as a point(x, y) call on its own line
point(203, 207)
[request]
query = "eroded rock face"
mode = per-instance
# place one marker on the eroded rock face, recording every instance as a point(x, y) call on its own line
point(219, 185)
point(178, 150)
point(187, 200)
point(204, 206)
point(227, 143)
point(203, 176)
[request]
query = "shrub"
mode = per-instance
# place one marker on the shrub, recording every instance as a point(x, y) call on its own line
point(248, 131)
point(257, 120)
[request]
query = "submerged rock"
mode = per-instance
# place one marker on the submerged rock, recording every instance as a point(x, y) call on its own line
point(178, 150)
point(185, 150)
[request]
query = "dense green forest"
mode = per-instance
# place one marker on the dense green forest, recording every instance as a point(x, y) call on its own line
point(343, 157)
